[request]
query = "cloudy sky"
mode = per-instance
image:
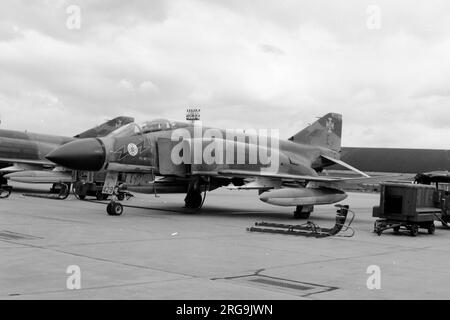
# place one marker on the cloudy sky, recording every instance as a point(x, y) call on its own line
point(384, 65)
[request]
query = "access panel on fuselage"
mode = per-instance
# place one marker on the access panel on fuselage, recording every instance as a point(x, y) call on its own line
point(165, 162)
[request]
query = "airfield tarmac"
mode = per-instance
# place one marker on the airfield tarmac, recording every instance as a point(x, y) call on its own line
point(156, 250)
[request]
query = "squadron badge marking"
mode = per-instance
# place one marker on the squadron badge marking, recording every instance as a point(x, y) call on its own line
point(132, 149)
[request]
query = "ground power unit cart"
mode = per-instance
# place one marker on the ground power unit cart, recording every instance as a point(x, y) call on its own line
point(407, 206)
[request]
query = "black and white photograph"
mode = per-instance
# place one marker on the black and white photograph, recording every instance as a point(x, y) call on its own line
point(240, 152)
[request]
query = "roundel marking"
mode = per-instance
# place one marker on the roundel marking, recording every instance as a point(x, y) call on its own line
point(132, 149)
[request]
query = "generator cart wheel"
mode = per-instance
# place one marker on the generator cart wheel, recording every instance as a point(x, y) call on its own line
point(431, 228)
point(396, 228)
point(414, 230)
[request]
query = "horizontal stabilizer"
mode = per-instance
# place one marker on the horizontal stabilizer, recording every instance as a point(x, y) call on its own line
point(346, 165)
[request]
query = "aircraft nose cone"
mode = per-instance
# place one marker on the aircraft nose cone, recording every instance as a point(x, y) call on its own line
point(83, 154)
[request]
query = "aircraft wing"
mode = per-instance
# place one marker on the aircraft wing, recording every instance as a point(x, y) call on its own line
point(345, 165)
point(295, 177)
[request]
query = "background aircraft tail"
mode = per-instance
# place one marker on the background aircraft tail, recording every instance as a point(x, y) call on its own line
point(105, 128)
point(325, 132)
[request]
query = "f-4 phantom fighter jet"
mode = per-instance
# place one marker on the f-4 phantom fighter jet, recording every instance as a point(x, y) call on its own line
point(22, 154)
point(163, 156)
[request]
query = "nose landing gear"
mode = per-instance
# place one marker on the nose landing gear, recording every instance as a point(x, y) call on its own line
point(114, 208)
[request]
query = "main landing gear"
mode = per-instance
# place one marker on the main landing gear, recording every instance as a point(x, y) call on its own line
point(115, 208)
point(194, 198)
point(303, 212)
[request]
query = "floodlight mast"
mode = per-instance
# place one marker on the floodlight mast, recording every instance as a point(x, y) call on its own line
point(193, 114)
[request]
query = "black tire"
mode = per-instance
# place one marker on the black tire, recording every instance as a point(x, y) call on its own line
point(114, 209)
point(64, 192)
point(301, 215)
point(431, 228)
point(56, 188)
point(99, 195)
point(81, 196)
point(193, 200)
point(414, 230)
point(121, 196)
point(298, 214)
point(117, 208)
point(396, 229)
point(108, 209)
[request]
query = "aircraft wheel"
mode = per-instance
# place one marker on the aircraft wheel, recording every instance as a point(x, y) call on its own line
point(298, 214)
point(193, 200)
point(114, 209)
point(81, 196)
point(431, 229)
point(396, 229)
point(56, 188)
point(64, 192)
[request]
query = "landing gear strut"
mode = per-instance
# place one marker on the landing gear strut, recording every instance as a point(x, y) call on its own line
point(303, 212)
point(115, 208)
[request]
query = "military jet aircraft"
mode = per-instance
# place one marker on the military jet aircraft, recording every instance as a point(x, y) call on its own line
point(22, 154)
point(189, 158)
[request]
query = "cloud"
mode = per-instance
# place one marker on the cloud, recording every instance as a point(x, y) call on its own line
point(281, 64)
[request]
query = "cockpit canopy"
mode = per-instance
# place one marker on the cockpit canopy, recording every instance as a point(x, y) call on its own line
point(133, 128)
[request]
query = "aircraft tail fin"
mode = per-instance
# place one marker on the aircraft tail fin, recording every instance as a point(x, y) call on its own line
point(325, 132)
point(105, 128)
